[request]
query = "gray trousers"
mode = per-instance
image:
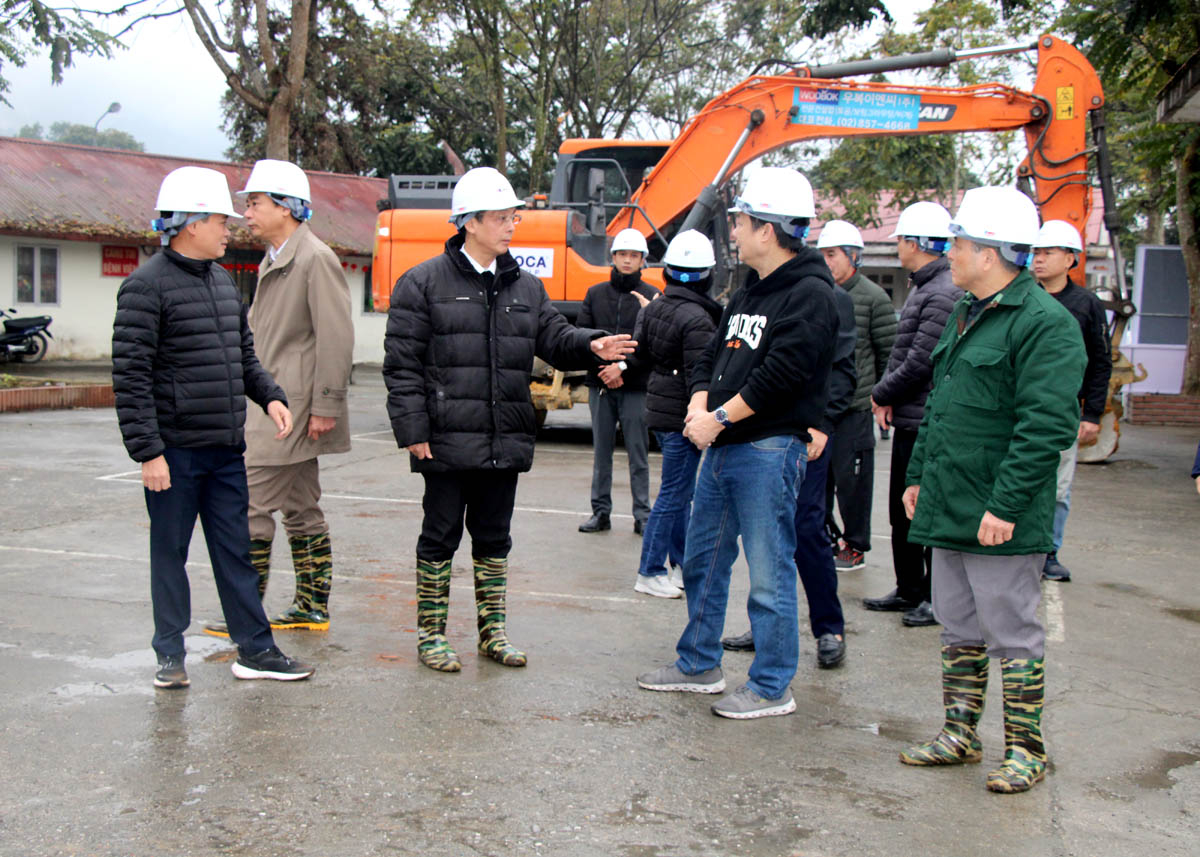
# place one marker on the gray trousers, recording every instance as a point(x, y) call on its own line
point(295, 490)
point(983, 599)
point(609, 407)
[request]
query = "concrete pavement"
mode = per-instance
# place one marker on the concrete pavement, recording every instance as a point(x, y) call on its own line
point(379, 755)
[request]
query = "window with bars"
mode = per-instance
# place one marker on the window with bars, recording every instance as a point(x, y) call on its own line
point(37, 275)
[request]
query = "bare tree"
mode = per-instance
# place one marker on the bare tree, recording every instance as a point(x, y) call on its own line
point(261, 56)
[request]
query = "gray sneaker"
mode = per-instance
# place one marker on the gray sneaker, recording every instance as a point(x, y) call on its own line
point(745, 704)
point(671, 678)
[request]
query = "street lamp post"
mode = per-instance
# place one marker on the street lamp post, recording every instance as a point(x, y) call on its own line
point(115, 107)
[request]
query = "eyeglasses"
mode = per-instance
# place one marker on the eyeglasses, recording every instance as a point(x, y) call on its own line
point(503, 219)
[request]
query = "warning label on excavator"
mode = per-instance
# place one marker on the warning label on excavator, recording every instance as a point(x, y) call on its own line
point(538, 261)
point(840, 108)
point(1064, 102)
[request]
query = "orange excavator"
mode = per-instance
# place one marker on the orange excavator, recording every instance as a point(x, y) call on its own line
point(662, 187)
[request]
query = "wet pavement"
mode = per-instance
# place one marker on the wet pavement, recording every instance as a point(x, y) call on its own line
point(379, 755)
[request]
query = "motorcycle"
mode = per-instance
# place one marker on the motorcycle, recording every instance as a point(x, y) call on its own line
point(24, 339)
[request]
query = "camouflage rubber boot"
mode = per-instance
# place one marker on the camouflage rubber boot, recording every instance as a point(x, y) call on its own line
point(491, 583)
point(433, 603)
point(311, 557)
point(1024, 752)
point(964, 687)
point(260, 558)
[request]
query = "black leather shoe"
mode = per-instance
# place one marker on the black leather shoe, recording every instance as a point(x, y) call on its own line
point(919, 616)
point(595, 524)
point(638, 526)
point(1055, 570)
point(831, 651)
point(740, 643)
point(892, 602)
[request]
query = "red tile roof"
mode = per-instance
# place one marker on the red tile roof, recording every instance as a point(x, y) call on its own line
point(90, 193)
point(888, 214)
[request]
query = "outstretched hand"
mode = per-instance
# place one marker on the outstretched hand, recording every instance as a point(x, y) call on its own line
point(613, 348)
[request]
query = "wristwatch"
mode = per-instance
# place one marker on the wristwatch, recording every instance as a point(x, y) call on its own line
point(622, 365)
point(722, 416)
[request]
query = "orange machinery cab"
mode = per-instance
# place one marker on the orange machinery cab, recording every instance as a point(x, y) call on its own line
point(406, 237)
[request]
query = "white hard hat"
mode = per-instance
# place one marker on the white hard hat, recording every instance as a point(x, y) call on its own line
point(630, 239)
point(195, 190)
point(278, 178)
point(778, 195)
point(1001, 217)
point(996, 215)
point(1059, 233)
point(923, 220)
point(689, 250)
point(839, 233)
point(481, 189)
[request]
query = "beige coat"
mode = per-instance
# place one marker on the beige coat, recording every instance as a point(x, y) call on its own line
point(303, 336)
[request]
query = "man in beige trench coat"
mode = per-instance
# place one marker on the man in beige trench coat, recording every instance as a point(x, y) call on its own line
point(304, 336)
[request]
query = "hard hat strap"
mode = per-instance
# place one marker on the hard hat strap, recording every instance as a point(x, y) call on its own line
point(170, 226)
point(298, 207)
point(692, 276)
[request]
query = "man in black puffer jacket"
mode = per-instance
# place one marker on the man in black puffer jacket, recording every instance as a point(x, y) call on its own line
point(617, 391)
point(183, 365)
point(462, 332)
point(922, 238)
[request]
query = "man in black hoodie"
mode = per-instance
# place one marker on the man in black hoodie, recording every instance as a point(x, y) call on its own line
point(617, 391)
point(183, 367)
point(757, 390)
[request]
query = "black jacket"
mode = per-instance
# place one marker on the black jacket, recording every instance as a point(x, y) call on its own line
point(843, 375)
point(774, 346)
point(1088, 311)
point(458, 354)
point(672, 332)
point(905, 385)
point(183, 358)
point(607, 307)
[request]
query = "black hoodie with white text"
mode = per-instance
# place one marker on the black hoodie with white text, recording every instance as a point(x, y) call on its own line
point(774, 346)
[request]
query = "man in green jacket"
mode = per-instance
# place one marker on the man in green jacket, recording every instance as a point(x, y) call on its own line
point(852, 462)
point(981, 482)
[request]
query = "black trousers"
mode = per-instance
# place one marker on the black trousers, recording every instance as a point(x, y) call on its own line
point(814, 559)
point(852, 477)
point(209, 482)
point(486, 497)
point(911, 561)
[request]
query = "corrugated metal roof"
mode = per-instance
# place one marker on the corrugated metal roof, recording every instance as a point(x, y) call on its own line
point(87, 192)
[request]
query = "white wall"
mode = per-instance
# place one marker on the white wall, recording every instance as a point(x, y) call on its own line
point(82, 327)
point(368, 326)
point(87, 301)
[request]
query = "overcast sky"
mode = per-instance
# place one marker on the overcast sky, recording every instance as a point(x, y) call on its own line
point(168, 87)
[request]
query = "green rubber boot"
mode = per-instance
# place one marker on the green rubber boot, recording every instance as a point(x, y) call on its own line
point(433, 603)
point(964, 687)
point(260, 558)
point(491, 584)
point(312, 558)
point(1024, 751)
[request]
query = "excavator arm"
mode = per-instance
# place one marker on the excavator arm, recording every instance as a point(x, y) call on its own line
point(764, 113)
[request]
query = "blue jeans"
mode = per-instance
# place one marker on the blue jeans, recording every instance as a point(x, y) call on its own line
point(746, 489)
point(666, 530)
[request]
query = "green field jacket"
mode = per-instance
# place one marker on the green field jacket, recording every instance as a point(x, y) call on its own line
point(1003, 406)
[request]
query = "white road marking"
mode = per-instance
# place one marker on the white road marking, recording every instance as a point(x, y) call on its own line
point(1056, 625)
